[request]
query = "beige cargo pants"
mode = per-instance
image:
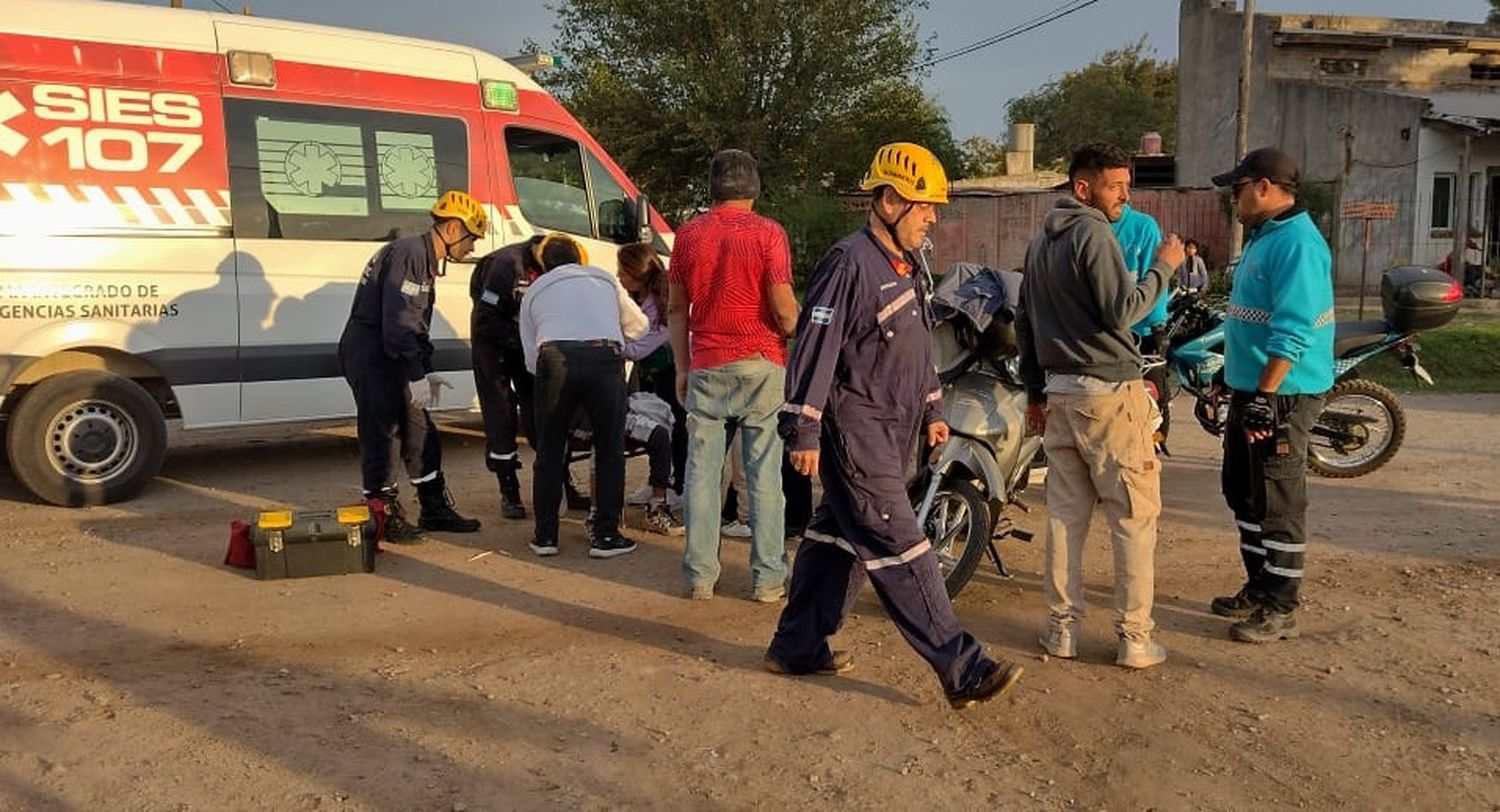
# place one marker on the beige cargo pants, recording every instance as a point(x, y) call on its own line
point(1099, 451)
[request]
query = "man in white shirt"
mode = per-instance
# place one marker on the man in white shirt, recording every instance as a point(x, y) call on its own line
point(574, 322)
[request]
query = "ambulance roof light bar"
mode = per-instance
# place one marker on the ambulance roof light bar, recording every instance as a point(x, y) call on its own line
point(531, 63)
point(251, 68)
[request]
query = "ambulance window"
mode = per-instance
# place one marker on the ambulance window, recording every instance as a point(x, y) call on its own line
point(311, 168)
point(550, 185)
point(615, 210)
point(308, 172)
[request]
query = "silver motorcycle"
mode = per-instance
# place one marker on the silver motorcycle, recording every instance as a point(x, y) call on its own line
point(964, 494)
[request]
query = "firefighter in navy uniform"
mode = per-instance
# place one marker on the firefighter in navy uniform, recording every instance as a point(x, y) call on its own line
point(500, 374)
point(860, 392)
point(386, 356)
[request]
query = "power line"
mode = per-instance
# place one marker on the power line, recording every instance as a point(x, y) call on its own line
point(1015, 31)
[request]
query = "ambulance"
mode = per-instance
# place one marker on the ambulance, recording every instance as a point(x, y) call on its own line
point(187, 200)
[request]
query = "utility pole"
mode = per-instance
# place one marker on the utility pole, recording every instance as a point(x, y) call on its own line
point(1242, 116)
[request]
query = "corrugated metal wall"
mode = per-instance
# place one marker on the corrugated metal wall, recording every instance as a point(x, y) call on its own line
point(995, 229)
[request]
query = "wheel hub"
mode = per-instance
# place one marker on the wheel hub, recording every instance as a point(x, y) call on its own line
point(91, 440)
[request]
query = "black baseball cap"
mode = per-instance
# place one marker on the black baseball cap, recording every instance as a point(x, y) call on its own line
point(1269, 163)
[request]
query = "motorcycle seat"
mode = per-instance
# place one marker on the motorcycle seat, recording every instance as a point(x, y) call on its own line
point(1353, 336)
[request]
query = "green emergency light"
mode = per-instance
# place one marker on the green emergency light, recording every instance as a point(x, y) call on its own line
point(500, 95)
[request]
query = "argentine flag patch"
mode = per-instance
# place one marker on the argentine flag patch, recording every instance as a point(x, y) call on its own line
point(821, 315)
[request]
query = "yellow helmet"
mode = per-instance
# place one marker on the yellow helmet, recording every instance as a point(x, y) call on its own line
point(460, 206)
point(557, 236)
point(911, 169)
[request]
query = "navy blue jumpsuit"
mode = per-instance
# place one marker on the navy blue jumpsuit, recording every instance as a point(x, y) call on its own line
point(384, 347)
point(861, 388)
point(500, 374)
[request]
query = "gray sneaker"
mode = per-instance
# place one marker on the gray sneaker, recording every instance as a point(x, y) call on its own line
point(1057, 640)
point(1139, 653)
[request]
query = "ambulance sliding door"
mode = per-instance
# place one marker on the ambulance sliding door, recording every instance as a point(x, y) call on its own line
point(317, 190)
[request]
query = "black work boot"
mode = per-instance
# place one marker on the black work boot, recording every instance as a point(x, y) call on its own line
point(1239, 605)
point(1266, 625)
point(437, 509)
point(396, 529)
point(510, 495)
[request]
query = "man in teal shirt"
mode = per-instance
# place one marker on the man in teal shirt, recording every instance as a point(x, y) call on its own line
point(1278, 364)
point(1139, 236)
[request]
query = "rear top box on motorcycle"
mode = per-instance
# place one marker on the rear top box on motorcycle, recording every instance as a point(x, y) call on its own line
point(325, 542)
point(1417, 298)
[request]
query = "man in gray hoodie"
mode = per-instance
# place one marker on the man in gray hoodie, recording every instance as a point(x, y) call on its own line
point(1082, 370)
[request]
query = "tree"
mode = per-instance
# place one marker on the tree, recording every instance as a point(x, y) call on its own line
point(1494, 18)
point(982, 157)
point(810, 87)
point(1116, 99)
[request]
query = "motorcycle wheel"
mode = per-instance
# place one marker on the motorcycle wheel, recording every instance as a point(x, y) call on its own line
point(1360, 429)
point(958, 525)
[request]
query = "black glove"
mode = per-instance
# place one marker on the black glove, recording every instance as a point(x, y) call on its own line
point(1260, 413)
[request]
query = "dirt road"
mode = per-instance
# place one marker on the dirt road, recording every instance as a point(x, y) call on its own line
point(137, 672)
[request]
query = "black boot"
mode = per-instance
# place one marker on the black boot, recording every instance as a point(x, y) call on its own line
point(437, 509)
point(396, 529)
point(510, 495)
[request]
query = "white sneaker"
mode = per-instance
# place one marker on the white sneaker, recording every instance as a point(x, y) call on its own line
point(737, 530)
point(1140, 653)
point(639, 496)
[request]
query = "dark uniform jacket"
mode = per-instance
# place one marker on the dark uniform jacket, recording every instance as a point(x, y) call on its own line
point(863, 359)
point(492, 287)
point(393, 304)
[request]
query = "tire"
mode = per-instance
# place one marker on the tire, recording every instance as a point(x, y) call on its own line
point(1360, 429)
point(86, 438)
point(959, 526)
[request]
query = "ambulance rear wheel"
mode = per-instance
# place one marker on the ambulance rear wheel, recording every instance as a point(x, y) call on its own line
point(86, 438)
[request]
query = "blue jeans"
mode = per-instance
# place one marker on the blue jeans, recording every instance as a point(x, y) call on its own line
point(750, 392)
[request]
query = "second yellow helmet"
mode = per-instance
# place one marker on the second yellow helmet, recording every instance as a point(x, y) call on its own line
point(911, 169)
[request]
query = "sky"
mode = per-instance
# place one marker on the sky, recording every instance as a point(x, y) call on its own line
point(973, 89)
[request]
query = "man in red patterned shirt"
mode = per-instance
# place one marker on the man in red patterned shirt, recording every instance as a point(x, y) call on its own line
point(731, 312)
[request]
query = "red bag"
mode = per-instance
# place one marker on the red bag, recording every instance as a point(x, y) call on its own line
point(241, 551)
point(377, 510)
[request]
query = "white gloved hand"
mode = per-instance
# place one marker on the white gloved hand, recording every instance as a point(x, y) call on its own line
point(436, 382)
point(419, 394)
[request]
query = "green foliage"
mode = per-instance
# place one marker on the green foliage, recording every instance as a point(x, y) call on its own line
point(1494, 18)
point(1116, 99)
point(1462, 356)
point(981, 158)
point(810, 87)
point(813, 223)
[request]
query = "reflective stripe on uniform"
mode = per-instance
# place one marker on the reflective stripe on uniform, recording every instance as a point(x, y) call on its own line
point(804, 410)
point(1283, 572)
point(896, 304)
point(934, 395)
point(428, 478)
point(813, 535)
point(511, 456)
point(1251, 548)
point(1253, 315)
point(897, 560)
point(1251, 526)
point(1284, 546)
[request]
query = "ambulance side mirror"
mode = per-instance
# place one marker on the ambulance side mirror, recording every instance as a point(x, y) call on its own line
point(643, 219)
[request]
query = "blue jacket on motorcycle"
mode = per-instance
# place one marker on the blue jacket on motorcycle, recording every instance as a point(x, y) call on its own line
point(1139, 236)
point(1281, 305)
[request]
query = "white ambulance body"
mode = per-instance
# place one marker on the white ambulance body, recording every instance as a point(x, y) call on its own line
point(187, 200)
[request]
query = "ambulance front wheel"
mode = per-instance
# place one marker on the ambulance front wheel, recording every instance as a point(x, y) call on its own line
point(86, 438)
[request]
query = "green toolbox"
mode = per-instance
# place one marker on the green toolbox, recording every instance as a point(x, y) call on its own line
point(326, 542)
